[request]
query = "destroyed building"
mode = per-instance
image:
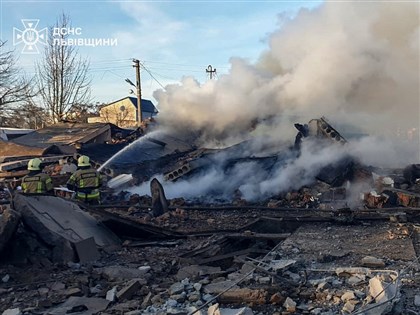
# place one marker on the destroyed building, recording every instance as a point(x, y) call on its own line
point(304, 250)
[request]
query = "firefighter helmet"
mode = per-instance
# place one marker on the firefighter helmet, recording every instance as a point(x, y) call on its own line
point(83, 161)
point(34, 164)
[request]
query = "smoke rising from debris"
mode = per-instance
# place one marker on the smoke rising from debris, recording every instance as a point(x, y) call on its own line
point(356, 63)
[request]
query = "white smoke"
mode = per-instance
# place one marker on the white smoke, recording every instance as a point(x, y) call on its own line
point(356, 63)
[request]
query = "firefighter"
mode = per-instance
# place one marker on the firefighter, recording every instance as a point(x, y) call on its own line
point(36, 182)
point(86, 181)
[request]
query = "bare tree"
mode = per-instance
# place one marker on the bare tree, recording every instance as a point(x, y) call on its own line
point(14, 87)
point(62, 75)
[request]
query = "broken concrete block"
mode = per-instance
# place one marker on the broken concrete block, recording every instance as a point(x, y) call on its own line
point(195, 271)
point(372, 262)
point(159, 201)
point(349, 295)
point(264, 280)
point(128, 291)
point(197, 286)
point(381, 292)
point(87, 251)
point(61, 223)
point(146, 300)
point(144, 269)
point(111, 294)
point(179, 298)
point(123, 273)
point(57, 286)
point(73, 292)
point(43, 291)
point(213, 310)
point(216, 288)
point(289, 305)
point(417, 300)
point(5, 279)
point(88, 305)
point(9, 221)
point(12, 311)
point(176, 288)
point(348, 307)
point(281, 264)
point(194, 297)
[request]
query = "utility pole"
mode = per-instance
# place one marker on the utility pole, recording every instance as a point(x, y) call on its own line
point(138, 86)
point(210, 71)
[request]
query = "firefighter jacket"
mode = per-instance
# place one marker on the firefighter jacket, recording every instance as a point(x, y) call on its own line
point(86, 183)
point(38, 183)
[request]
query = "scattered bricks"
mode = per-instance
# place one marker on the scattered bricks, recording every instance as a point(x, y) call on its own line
point(372, 262)
point(289, 305)
point(128, 291)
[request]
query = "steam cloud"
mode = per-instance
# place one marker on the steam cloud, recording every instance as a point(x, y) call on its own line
point(356, 63)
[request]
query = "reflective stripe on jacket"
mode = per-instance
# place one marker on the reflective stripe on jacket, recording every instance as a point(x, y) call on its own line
point(86, 183)
point(37, 184)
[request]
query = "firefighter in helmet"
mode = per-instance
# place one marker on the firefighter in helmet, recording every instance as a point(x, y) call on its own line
point(86, 181)
point(36, 182)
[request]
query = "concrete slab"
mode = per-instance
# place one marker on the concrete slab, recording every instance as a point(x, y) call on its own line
point(61, 224)
point(62, 218)
point(87, 250)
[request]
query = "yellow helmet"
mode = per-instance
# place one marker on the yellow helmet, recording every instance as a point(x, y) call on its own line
point(34, 164)
point(83, 161)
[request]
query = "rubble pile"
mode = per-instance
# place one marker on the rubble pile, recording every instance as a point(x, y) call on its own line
point(346, 242)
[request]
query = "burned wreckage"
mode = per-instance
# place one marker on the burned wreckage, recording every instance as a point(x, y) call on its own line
point(340, 238)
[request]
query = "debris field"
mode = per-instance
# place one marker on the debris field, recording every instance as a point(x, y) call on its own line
point(319, 248)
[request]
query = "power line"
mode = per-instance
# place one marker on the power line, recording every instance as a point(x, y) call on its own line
point(153, 77)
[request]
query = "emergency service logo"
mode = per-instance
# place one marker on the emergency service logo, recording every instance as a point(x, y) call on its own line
point(30, 36)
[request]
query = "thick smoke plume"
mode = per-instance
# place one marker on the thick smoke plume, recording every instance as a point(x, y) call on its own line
point(356, 63)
